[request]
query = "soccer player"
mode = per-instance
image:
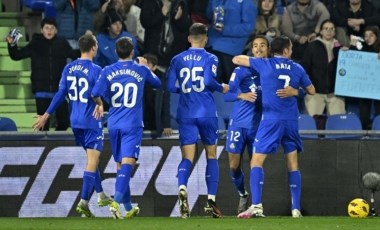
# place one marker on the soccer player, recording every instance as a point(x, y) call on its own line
point(78, 79)
point(195, 70)
point(122, 85)
point(279, 122)
point(245, 91)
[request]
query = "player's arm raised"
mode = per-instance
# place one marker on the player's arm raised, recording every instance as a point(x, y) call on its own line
point(242, 60)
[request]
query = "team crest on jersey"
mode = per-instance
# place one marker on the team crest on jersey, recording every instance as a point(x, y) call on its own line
point(232, 146)
point(214, 69)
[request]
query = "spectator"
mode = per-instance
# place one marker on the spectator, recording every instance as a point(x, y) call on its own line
point(371, 44)
point(301, 22)
point(75, 18)
point(320, 63)
point(106, 54)
point(130, 14)
point(351, 17)
point(197, 10)
point(132, 22)
point(239, 19)
point(267, 21)
point(99, 19)
point(156, 103)
point(48, 54)
point(166, 26)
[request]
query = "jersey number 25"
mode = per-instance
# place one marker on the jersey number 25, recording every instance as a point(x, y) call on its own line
point(197, 81)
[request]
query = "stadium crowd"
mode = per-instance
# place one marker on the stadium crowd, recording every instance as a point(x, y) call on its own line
point(160, 28)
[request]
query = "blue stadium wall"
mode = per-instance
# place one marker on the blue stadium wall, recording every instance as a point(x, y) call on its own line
point(41, 177)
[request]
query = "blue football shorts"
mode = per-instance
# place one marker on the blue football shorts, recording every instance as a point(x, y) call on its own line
point(125, 142)
point(190, 128)
point(238, 138)
point(89, 138)
point(272, 133)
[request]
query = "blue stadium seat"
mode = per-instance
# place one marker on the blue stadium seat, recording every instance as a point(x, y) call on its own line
point(376, 123)
point(7, 124)
point(45, 6)
point(50, 11)
point(306, 122)
point(348, 122)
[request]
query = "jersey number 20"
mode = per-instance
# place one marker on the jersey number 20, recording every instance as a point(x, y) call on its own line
point(129, 90)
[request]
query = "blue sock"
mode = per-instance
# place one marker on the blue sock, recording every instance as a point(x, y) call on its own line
point(212, 176)
point(127, 200)
point(294, 180)
point(237, 177)
point(184, 169)
point(122, 183)
point(117, 182)
point(257, 182)
point(98, 182)
point(88, 184)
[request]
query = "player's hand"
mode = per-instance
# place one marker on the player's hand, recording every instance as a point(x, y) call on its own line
point(250, 96)
point(288, 91)
point(41, 121)
point(9, 39)
point(98, 112)
point(167, 132)
point(226, 87)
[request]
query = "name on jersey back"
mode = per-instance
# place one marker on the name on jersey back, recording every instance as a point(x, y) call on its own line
point(78, 68)
point(129, 72)
point(191, 57)
point(283, 66)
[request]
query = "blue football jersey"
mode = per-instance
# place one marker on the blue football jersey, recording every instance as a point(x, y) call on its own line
point(78, 79)
point(192, 74)
point(244, 114)
point(277, 73)
point(122, 86)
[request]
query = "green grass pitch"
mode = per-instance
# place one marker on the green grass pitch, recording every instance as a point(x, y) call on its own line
point(268, 223)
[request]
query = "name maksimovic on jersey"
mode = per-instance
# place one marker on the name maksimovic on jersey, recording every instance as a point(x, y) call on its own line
point(125, 72)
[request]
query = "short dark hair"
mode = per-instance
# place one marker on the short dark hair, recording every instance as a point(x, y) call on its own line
point(48, 21)
point(151, 58)
point(262, 37)
point(279, 44)
point(324, 22)
point(124, 47)
point(86, 42)
point(198, 29)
